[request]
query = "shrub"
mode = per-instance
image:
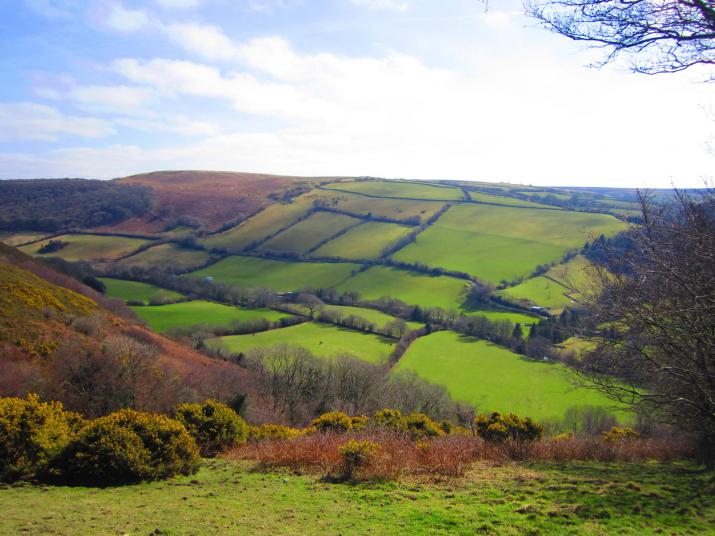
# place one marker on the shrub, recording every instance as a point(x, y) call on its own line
point(335, 421)
point(389, 418)
point(359, 422)
point(126, 447)
point(213, 425)
point(497, 427)
point(620, 435)
point(420, 425)
point(272, 431)
point(356, 455)
point(32, 433)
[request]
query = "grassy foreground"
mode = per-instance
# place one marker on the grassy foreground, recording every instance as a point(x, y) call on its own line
point(229, 498)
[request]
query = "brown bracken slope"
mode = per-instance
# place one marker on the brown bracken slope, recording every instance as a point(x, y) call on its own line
point(42, 310)
point(212, 197)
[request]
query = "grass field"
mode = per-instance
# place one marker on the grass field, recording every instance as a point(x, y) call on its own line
point(169, 255)
point(492, 314)
point(503, 243)
point(400, 189)
point(136, 291)
point(540, 291)
point(268, 221)
point(493, 378)
point(504, 200)
point(186, 314)
point(323, 340)
point(17, 239)
point(365, 241)
point(398, 209)
point(253, 272)
point(225, 497)
point(556, 288)
point(308, 233)
point(376, 317)
point(82, 247)
point(410, 287)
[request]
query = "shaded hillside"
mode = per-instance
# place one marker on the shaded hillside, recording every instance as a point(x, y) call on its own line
point(210, 199)
point(60, 204)
point(64, 344)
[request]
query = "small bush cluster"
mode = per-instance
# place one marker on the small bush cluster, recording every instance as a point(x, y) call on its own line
point(32, 434)
point(213, 425)
point(498, 428)
point(273, 431)
point(356, 455)
point(125, 447)
point(620, 435)
point(42, 440)
point(335, 421)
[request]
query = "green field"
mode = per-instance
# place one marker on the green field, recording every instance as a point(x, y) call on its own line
point(400, 189)
point(412, 288)
point(187, 314)
point(365, 241)
point(493, 378)
point(397, 209)
point(81, 247)
point(172, 256)
point(270, 220)
point(253, 272)
point(504, 200)
point(323, 340)
point(540, 291)
point(582, 498)
point(371, 315)
point(136, 291)
point(503, 243)
point(308, 233)
point(513, 317)
point(17, 239)
point(556, 288)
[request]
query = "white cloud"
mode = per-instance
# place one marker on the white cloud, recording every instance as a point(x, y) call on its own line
point(117, 99)
point(126, 20)
point(395, 5)
point(178, 4)
point(203, 40)
point(174, 125)
point(32, 121)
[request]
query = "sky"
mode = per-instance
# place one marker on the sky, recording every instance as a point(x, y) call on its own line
point(413, 89)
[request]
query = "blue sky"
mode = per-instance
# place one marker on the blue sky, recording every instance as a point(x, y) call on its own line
point(394, 88)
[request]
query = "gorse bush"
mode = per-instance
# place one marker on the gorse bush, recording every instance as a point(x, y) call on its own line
point(420, 425)
point(213, 425)
point(620, 435)
point(272, 431)
point(32, 433)
point(125, 447)
point(389, 418)
point(356, 455)
point(497, 427)
point(359, 422)
point(335, 421)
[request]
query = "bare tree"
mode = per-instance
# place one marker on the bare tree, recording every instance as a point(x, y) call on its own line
point(660, 36)
point(653, 319)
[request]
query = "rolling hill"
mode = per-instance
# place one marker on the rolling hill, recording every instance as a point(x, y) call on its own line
point(372, 246)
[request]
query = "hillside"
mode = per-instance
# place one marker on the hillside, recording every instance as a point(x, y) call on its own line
point(46, 314)
point(205, 198)
point(430, 253)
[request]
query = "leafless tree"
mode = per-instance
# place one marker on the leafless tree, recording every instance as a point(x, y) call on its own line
point(660, 36)
point(653, 318)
